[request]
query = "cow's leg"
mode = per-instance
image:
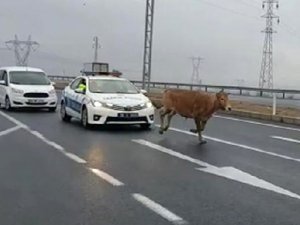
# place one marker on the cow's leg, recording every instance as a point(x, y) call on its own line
point(195, 130)
point(202, 127)
point(203, 124)
point(163, 112)
point(169, 117)
point(199, 126)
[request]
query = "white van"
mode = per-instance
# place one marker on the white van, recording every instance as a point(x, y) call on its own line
point(26, 87)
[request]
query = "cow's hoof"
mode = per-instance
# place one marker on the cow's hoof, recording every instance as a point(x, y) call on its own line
point(203, 142)
point(194, 131)
point(161, 131)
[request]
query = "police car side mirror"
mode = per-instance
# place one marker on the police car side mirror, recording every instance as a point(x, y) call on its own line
point(143, 91)
point(78, 91)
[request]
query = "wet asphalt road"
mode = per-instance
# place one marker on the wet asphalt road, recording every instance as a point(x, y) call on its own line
point(249, 171)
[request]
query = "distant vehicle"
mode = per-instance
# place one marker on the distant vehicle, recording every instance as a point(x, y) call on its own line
point(106, 100)
point(26, 87)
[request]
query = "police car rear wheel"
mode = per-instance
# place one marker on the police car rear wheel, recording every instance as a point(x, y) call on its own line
point(63, 113)
point(84, 118)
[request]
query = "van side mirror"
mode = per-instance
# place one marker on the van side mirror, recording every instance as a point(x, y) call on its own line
point(2, 82)
point(53, 83)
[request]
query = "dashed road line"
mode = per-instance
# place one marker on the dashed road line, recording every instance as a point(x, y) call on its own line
point(225, 172)
point(38, 135)
point(61, 149)
point(286, 139)
point(258, 123)
point(238, 145)
point(15, 121)
point(10, 130)
point(158, 209)
point(46, 140)
point(75, 158)
point(105, 176)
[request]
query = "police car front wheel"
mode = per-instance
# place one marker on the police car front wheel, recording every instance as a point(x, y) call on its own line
point(63, 113)
point(85, 118)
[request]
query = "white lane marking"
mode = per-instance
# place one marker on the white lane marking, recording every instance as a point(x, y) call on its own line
point(160, 210)
point(10, 130)
point(258, 123)
point(47, 141)
point(246, 178)
point(44, 139)
point(171, 152)
point(17, 122)
point(35, 133)
point(238, 145)
point(75, 157)
point(113, 181)
point(226, 172)
point(286, 139)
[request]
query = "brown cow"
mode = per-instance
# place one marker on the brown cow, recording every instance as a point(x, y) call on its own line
point(196, 105)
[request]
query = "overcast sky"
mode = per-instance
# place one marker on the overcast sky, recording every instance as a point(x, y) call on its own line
point(226, 33)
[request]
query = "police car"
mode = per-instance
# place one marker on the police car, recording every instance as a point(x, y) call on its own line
point(106, 100)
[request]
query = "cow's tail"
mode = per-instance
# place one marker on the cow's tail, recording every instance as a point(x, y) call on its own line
point(157, 103)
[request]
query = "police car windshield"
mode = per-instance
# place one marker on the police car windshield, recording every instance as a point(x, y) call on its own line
point(28, 78)
point(112, 86)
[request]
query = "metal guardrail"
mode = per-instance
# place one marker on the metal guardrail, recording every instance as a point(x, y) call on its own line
point(256, 92)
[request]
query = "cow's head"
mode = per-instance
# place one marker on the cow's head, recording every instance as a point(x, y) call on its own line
point(223, 101)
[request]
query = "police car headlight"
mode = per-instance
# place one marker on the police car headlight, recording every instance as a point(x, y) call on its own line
point(108, 105)
point(96, 103)
point(149, 104)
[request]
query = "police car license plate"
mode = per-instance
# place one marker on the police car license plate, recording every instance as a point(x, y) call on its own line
point(128, 115)
point(35, 101)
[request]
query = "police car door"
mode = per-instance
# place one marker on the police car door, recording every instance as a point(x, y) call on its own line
point(69, 97)
point(73, 99)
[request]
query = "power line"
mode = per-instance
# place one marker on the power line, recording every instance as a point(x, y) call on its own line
point(245, 2)
point(229, 10)
point(289, 29)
